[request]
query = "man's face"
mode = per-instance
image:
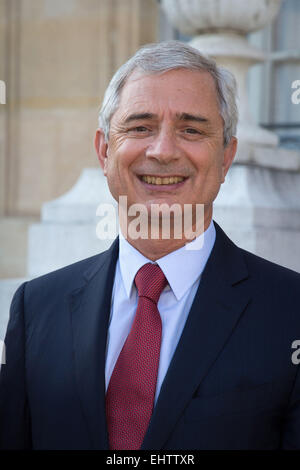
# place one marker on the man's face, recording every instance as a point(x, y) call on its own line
point(166, 141)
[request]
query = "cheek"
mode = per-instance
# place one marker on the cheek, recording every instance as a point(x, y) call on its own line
point(214, 161)
point(204, 161)
point(214, 174)
point(208, 170)
point(124, 154)
point(130, 150)
point(117, 165)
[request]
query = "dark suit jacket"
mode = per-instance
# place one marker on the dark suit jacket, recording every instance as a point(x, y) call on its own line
point(231, 383)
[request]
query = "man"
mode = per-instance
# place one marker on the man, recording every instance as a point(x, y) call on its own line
point(158, 343)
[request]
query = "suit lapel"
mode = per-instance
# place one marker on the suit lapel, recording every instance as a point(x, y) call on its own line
point(217, 307)
point(90, 310)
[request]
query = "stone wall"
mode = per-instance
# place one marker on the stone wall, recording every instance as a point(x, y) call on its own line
point(56, 58)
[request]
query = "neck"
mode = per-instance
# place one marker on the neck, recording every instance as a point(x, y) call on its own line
point(155, 249)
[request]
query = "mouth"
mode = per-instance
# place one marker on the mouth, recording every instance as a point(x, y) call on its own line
point(163, 181)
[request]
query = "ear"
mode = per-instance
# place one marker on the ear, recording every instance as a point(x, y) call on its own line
point(101, 149)
point(229, 154)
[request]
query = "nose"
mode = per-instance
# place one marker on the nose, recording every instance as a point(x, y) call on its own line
point(163, 147)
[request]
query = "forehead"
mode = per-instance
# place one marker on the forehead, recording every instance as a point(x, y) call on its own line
point(179, 90)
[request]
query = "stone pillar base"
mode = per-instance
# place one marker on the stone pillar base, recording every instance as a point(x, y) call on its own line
point(259, 209)
point(67, 231)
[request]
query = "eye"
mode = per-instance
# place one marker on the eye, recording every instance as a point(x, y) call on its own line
point(192, 133)
point(191, 130)
point(139, 129)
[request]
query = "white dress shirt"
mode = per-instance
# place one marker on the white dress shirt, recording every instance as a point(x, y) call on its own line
point(183, 269)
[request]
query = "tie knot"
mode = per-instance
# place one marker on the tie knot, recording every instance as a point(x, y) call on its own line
point(150, 281)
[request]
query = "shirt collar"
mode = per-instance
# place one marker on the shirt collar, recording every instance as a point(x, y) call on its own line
point(191, 262)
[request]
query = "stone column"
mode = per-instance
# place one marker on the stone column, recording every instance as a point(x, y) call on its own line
point(259, 204)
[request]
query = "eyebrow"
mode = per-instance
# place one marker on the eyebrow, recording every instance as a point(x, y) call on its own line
point(180, 116)
point(191, 117)
point(139, 116)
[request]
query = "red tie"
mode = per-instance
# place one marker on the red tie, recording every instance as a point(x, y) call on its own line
point(131, 390)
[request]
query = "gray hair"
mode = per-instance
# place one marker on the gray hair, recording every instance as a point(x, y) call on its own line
point(170, 55)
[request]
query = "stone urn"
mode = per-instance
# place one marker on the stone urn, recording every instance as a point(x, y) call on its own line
point(220, 28)
point(201, 16)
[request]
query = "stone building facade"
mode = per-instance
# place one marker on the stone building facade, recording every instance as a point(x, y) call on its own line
point(56, 58)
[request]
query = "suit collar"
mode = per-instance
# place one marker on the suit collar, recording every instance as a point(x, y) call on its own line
point(227, 259)
point(109, 255)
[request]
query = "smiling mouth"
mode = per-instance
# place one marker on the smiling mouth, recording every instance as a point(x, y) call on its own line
point(159, 180)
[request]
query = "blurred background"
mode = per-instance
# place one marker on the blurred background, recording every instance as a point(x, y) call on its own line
point(56, 59)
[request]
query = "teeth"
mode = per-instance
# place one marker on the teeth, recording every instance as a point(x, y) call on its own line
point(159, 180)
